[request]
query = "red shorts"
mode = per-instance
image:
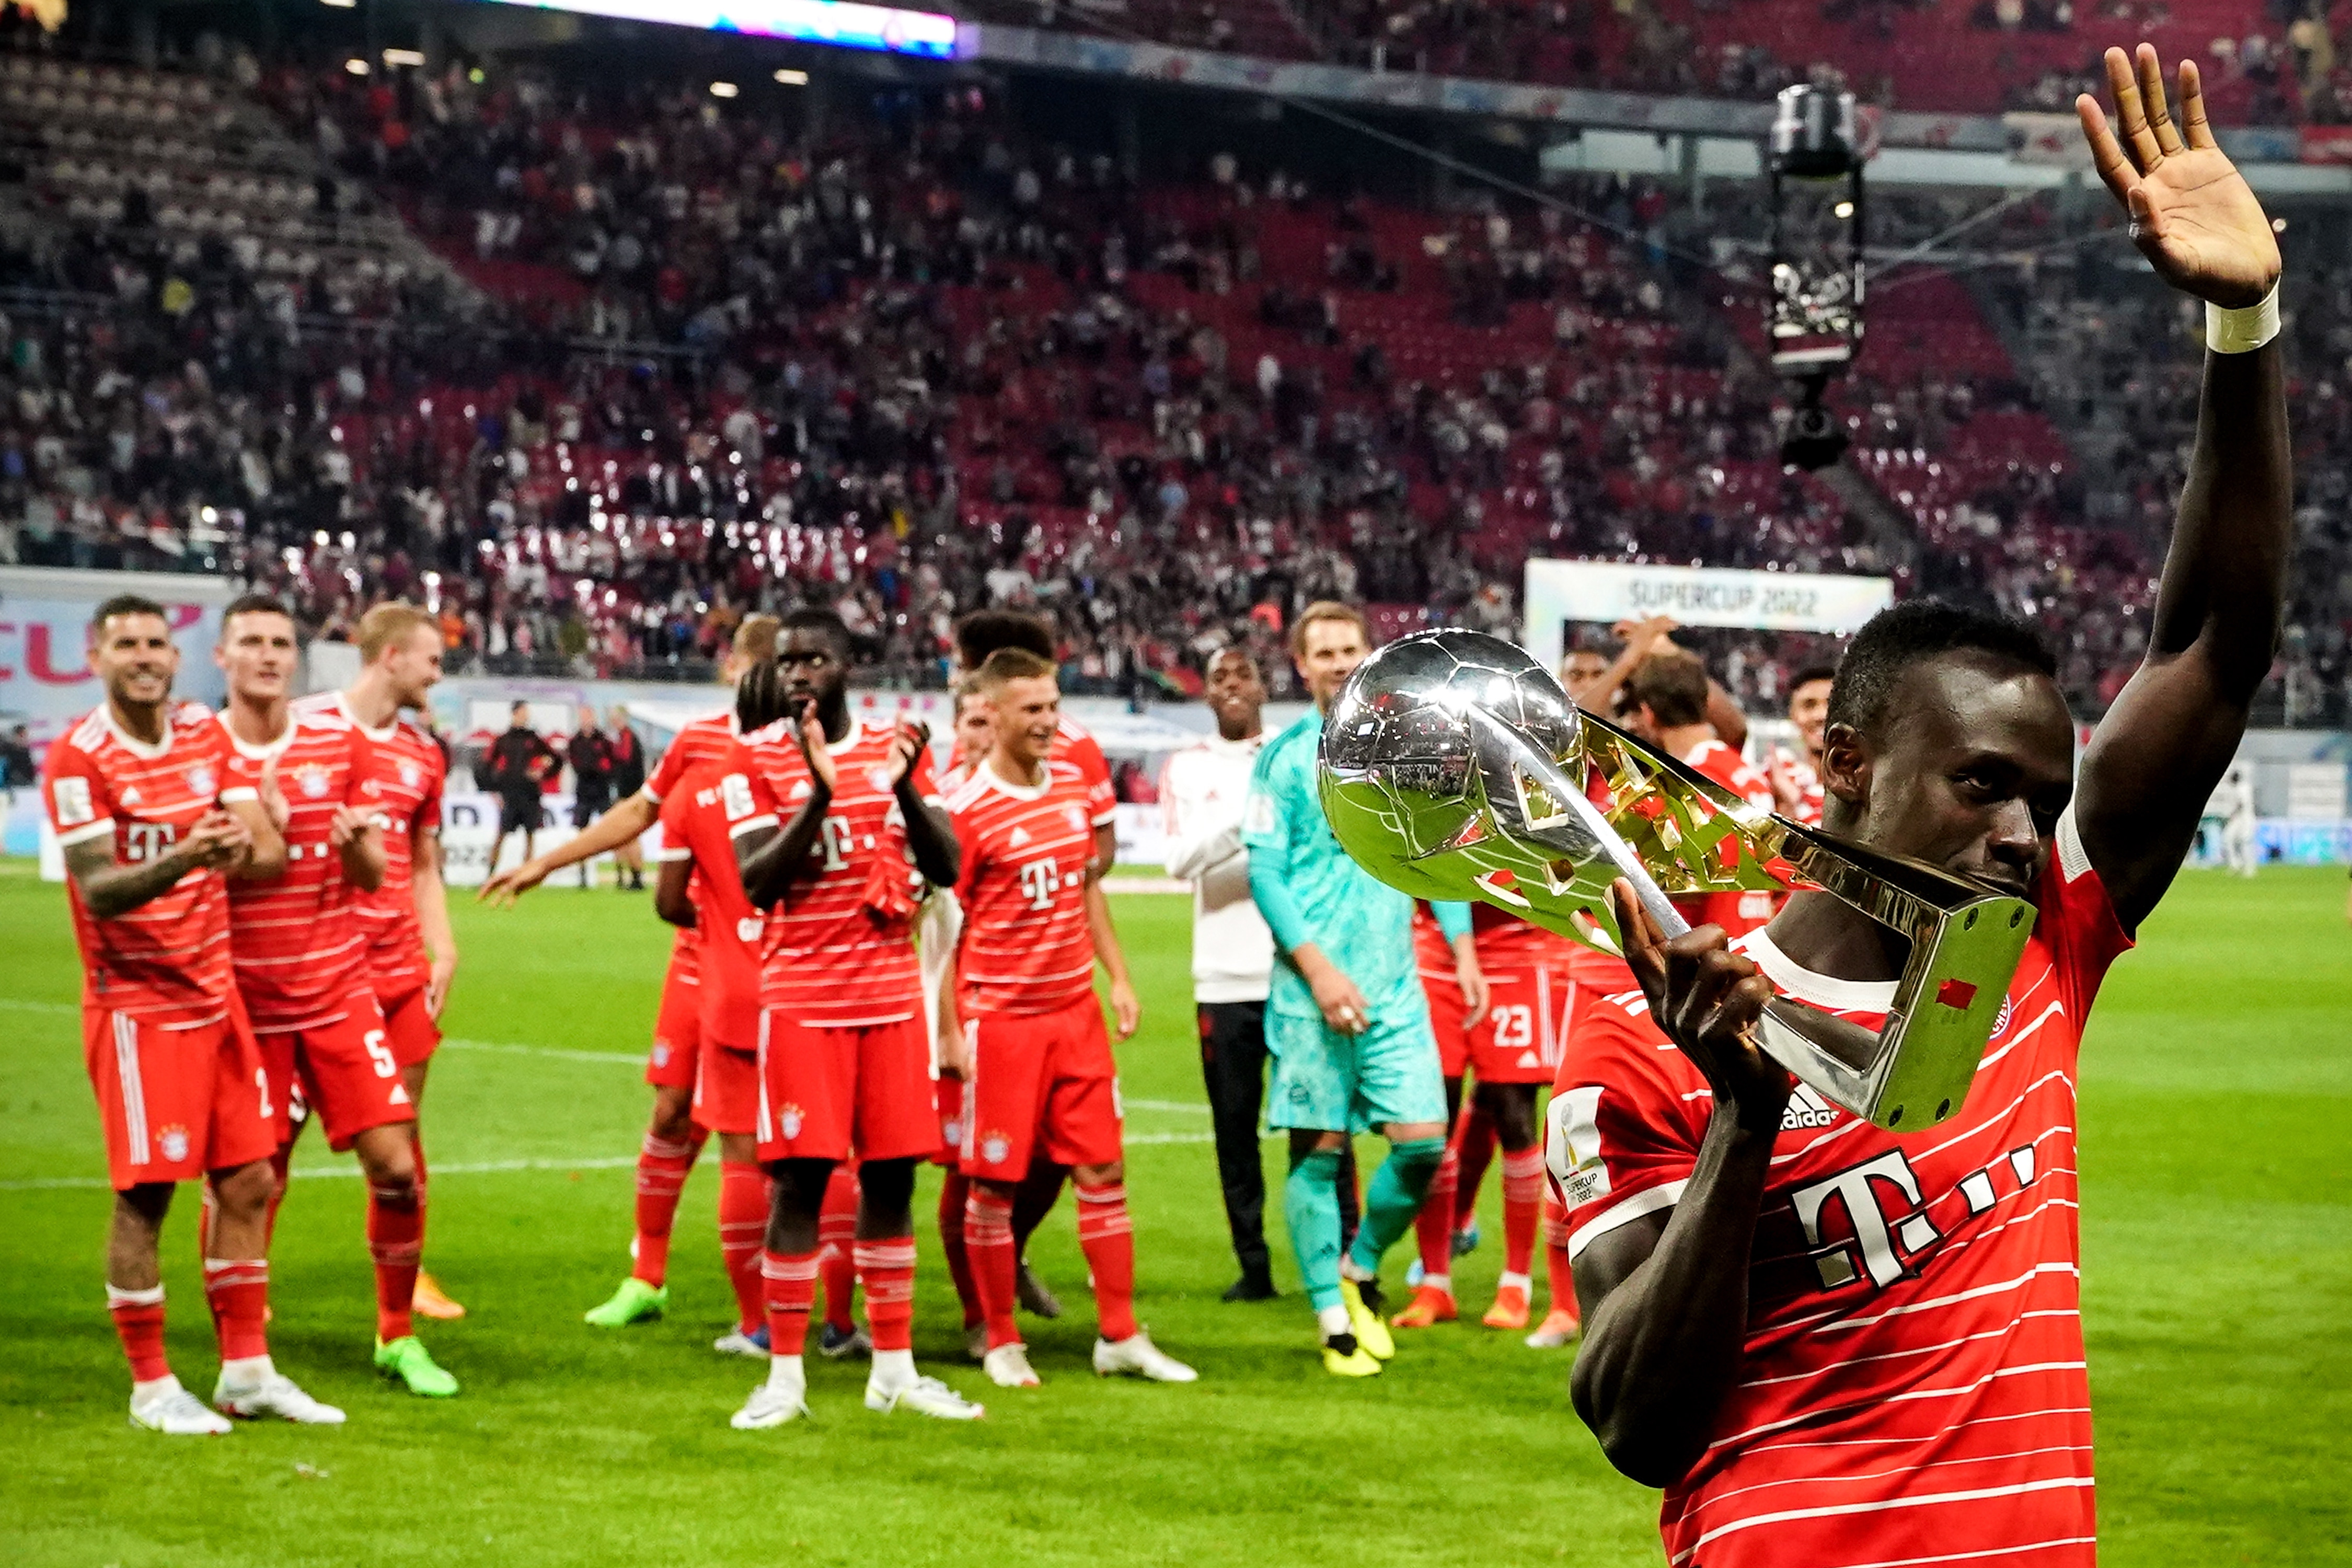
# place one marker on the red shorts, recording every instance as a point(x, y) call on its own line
point(824, 1091)
point(344, 1071)
point(677, 1035)
point(1526, 1031)
point(1450, 1021)
point(1039, 1080)
point(177, 1100)
point(949, 1092)
point(408, 1027)
point(726, 1089)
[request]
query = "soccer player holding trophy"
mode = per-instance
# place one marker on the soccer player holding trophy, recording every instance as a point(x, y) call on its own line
point(1820, 1181)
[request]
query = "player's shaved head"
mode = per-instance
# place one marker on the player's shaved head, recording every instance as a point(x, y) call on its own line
point(1896, 639)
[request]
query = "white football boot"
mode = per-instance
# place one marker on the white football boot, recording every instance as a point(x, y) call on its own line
point(1008, 1367)
point(164, 1407)
point(1137, 1356)
point(253, 1393)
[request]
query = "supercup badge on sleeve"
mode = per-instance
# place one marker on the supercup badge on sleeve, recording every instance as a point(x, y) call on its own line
point(71, 798)
point(1572, 1146)
point(1258, 813)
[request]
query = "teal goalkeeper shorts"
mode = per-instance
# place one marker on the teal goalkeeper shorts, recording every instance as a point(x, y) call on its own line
point(1331, 1083)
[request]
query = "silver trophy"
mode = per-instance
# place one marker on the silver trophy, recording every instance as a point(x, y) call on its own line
point(1453, 766)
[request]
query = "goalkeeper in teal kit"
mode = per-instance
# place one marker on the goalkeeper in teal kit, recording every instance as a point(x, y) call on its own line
point(1345, 1020)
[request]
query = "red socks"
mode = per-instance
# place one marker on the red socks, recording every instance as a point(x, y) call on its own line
point(888, 1270)
point(988, 1237)
point(836, 1240)
point(395, 1237)
point(791, 1279)
point(1474, 1142)
point(742, 1223)
point(139, 1319)
point(1523, 1190)
point(1108, 1237)
point(954, 1194)
point(239, 1293)
point(662, 1167)
point(1557, 1274)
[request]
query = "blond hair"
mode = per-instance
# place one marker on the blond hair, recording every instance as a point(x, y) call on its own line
point(1007, 665)
point(389, 624)
point(755, 639)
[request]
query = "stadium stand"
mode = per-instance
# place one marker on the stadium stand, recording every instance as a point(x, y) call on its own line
point(660, 363)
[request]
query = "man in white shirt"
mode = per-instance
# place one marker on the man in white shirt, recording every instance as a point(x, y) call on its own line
point(1201, 789)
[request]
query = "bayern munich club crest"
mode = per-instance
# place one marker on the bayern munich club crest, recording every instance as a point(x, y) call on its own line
point(1077, 819)
point(877, 779)
point(311, 779)
point(201, 780)
point(174, 1143)
point(790, 1121)
point(2000, 1019)
point(995, 1148)
point(411, 775)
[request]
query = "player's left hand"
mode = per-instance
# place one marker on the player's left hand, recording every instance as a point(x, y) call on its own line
point(436, 983)
point(906, 744)
point(348, 825)
point(2192, 214)
point(1125, 1008)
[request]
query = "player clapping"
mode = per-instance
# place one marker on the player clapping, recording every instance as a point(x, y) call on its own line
point(826, 815)
point(149, 824)
point(1041, 1074)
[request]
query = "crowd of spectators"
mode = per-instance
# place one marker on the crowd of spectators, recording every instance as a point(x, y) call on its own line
point(919, 363)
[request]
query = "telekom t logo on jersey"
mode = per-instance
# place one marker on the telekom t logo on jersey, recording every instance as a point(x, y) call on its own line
point(144, 841)
point(1858, 1188)
point(1892, 1236)
point(1040, 882)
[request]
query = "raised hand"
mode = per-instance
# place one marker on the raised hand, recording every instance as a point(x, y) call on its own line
point(905, 745)
point(219, 840)
point(2192, 214)
point(814, 750)
point(1706, 998)
point(273, 799)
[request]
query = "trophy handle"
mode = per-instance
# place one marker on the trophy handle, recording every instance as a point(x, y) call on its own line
point(1964, 938)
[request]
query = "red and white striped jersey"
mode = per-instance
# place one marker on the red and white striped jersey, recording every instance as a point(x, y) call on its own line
point(710, 738)
point(1737, 912)
point(695, 817)
point(1027, 853)
point(1071, 744)
point(840, 947)
point(296, 940)
point(169, 958)
point(1811, 797)
point(408, 774)
point(1912, 1389)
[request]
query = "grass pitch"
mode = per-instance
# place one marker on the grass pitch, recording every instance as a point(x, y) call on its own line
point(2218, 1220)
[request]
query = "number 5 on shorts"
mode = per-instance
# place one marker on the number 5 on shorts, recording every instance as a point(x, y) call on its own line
point(379, 1054)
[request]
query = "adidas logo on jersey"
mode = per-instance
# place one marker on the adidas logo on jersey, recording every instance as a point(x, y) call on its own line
point(1529, 1060)
point(1019, 836)
point(1807, 1109)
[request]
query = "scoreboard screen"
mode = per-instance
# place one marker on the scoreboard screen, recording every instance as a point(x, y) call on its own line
point(842, 23)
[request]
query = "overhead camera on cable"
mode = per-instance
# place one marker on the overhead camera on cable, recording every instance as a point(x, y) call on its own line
point(1814, 314)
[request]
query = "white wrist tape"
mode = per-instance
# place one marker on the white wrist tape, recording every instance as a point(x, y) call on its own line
point(2242, 332)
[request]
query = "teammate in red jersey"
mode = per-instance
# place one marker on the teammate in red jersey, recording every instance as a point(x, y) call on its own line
point(1797, 781)
point(1513, 1047)
point(411, 953)
point(1036, 921)
point(827, 818)
point(977, 635)
point(673, 1141)
point(1836, 1345)
point(140, 798)
point(1668, 708)
point(699, 890)
point(1454, 980)
point(301, 954)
